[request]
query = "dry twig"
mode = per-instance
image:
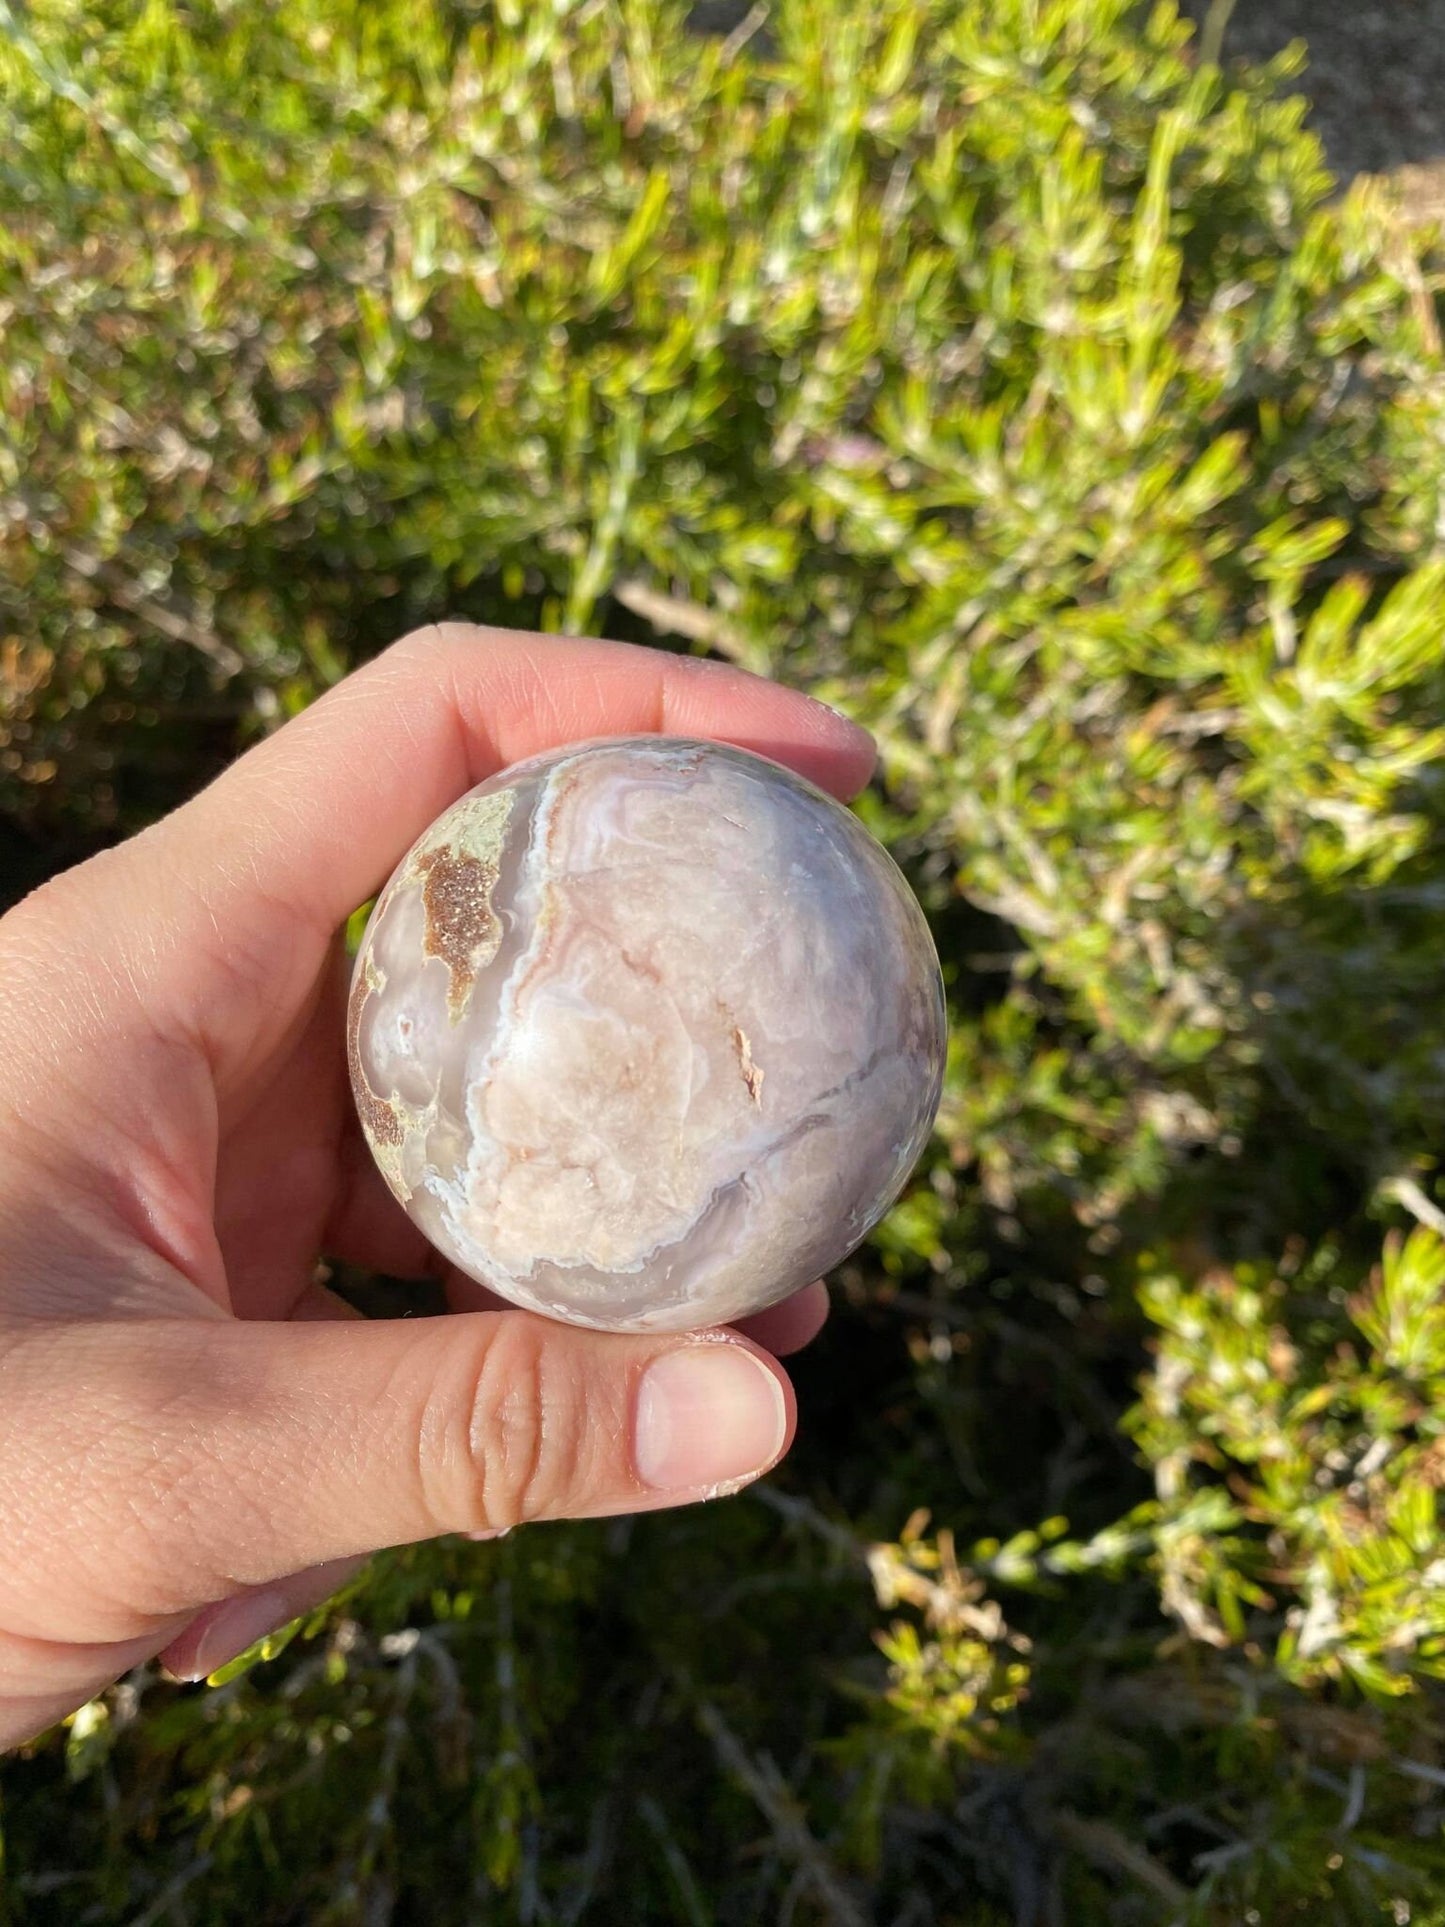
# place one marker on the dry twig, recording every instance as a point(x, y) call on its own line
point(764, 1784)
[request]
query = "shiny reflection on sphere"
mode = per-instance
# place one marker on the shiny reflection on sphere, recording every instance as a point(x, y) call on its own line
point(646, 1033)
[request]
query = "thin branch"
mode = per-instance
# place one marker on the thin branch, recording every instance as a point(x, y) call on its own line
point(802, 1512)
point(1405, 1191)
point(671, 615)
point(1406, 265)
point(764, 1784)
point(173, 1890)
point(1418, 1770)
point(179, 625)
point(594, 1861)
point(741, 34)
point(1104, 1846)
point(689, 1895)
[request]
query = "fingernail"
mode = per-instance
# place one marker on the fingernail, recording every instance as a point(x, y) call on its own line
point(707, 1416)
point(232, 1627)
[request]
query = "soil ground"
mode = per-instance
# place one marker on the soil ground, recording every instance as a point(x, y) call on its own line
point(1376, 80)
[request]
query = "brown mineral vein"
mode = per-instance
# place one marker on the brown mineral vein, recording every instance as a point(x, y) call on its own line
point(752, 1075)
point(462, 929)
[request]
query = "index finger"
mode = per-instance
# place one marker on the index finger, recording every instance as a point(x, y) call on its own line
point(323, 810)
point(259, 870)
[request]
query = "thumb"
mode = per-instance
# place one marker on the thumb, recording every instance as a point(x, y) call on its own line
point(227, 1460)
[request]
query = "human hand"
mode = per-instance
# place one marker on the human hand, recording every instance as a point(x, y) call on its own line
point(198, 1441)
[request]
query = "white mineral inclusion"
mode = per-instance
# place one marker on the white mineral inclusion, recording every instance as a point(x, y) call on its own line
point(646, 1033)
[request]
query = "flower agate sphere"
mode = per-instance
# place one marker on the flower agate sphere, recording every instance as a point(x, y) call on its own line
point(646, 1033)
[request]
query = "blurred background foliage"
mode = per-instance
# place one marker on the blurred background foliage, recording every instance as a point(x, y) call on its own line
point(1013, 377)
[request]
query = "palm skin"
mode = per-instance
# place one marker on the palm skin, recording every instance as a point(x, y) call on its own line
point(197, 1438)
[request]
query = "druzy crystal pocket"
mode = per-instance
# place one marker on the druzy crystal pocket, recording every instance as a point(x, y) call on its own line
point(646, 1033)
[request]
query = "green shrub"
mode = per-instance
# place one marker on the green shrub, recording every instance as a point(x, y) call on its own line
point(1007, 376)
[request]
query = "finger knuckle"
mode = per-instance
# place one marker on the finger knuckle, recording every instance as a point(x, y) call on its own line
point(434, 643)
point(527, 1438)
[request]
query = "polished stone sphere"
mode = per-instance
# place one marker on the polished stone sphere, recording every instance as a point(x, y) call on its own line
point(646, 1033)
